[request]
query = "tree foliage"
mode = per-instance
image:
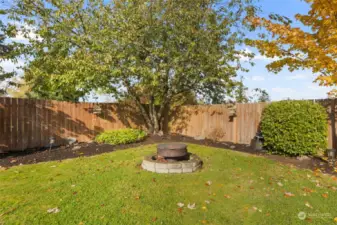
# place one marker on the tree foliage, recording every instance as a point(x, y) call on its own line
point(242, 94)
point(314, 48)
point(7, 51)
point(260, 95)
point(148, 51)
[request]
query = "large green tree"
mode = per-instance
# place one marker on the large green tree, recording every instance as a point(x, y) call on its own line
point(7, 51)
point(149, 51)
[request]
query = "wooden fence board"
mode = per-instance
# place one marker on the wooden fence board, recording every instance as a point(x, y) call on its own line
point(2, 126)
point(27, 123)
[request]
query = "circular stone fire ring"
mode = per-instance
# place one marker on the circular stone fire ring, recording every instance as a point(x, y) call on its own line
point(151, 163)
point(172, 150)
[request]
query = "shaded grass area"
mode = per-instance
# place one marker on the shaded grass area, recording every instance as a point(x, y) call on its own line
point(112, 189)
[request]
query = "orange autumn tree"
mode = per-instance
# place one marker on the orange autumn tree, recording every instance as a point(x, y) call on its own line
point(314, 48)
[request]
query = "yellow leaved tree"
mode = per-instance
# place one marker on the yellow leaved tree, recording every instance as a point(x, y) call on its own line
point(313, 46)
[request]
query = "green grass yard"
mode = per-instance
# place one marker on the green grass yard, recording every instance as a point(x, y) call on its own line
point(112, 189)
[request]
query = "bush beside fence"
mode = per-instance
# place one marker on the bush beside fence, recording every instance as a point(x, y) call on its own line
point(28, 123)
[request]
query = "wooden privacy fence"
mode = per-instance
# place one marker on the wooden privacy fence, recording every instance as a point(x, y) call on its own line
point(214, 122)
point(28, 123)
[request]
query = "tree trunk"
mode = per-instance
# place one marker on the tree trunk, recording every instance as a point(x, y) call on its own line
point(154, 116)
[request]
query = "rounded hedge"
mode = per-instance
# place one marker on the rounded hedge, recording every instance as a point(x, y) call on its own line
point(295, 127)
point(121, 136)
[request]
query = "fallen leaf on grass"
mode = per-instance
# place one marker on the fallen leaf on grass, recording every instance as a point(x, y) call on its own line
point(208, 183)
point(180, 204)
point(257, 209)
point(180, 210)
point(325, 195)
point(191, 206)
point(309, 220)
point(227, 196)
point(204, 221)
point(53, 210)
point(288, 194)
point(308, 190)
point(137, 197)
point(3, 168)
point(280, 184)
point(307, 204)
point(335, 219)
point(154, 219)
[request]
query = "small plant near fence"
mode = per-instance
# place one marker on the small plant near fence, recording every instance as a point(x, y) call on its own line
point(295, 127)
point(122, 136)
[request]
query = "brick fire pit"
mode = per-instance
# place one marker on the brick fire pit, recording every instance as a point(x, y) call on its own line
point(172, 158)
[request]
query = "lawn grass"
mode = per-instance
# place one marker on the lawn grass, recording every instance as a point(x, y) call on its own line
point(112, 189)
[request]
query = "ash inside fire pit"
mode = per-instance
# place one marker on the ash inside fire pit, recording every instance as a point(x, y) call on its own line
point(172, 158)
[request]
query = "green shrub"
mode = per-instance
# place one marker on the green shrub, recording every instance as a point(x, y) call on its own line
point(122, 136)
point(295, 127)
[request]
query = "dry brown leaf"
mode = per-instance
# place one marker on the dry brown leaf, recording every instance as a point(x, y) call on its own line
point(227, 196)
point(308, 190)
point(288, 194)
point(208, 183)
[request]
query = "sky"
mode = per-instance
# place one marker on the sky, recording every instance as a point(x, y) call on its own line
point(294, 85)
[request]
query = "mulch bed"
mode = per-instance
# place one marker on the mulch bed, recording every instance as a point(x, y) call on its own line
point(32, 156)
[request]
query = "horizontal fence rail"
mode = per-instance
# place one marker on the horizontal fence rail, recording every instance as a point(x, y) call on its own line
point(29, 123)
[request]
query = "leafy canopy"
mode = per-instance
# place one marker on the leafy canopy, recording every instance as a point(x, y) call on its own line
point(7, 53)
point(314, 48)
point(147, 51)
